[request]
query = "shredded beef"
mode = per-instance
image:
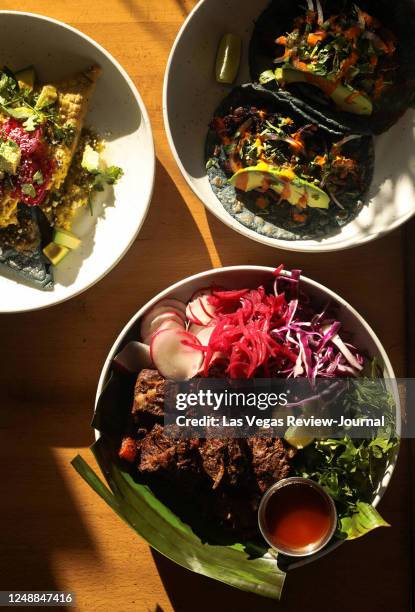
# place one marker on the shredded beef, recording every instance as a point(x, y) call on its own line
point(270, 461)
point(230, 474)
point(149, 395)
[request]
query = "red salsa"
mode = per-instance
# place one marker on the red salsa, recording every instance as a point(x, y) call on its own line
point(297, 517)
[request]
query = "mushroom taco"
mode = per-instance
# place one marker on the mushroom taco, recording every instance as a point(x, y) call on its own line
point(49, 167)
point(353, 59)
point(282, 169)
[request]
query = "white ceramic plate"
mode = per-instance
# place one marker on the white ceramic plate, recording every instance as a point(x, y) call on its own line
point(191, 94)
point(237, 277)
point(117, 112)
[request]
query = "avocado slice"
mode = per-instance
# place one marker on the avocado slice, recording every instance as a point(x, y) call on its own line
point(48, 95)
point(345, 98)
point(283, 181)
point(66, 239)
point(10, 155)
point(26, 78)
point(55, 252)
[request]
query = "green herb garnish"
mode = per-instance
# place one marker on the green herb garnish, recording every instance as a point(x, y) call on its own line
point(28, 190)
point(38, 177)
point(350, 469)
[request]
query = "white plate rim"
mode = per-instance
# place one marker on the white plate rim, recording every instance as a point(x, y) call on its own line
point(284, 245)
point(264, 269)
point(147, 124)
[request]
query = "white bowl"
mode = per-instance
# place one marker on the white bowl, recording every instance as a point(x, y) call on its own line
point(116, 112)
point(191, 94)
point(237, 277)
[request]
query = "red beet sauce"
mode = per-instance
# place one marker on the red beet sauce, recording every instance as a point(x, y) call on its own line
point(34, 158)
point(297, 516)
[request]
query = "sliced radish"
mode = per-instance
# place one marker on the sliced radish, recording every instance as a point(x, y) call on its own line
point(191, 315)
point(209, 309)
point(172, 302)
point(199, 292)
point(165, 316)
point(163, 323)
point(194, 328)
point(204, 335)
point(172, 357)
point(134, 357)
point(199, 311)
point(155, 312)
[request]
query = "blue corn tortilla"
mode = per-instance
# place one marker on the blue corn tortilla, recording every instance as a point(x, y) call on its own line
point(275, 220)
point(397, 16)
point(29, 266)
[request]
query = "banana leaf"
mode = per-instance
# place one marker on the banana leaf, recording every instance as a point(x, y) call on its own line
point(248, 566)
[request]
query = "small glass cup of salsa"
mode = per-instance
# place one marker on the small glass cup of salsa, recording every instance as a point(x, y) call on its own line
point(297, 517)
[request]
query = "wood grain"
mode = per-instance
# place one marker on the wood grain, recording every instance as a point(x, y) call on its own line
point(55, 533)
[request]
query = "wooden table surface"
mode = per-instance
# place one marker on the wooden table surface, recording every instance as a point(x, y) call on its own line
point(55, 532)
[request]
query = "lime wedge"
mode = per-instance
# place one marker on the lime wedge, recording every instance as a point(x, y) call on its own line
point(228, 58)
point(299, 437)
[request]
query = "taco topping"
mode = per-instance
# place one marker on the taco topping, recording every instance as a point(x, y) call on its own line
point(350, 56)
point(268, 152)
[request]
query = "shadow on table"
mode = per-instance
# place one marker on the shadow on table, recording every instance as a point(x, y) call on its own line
point(40, 516)
point(49, 378)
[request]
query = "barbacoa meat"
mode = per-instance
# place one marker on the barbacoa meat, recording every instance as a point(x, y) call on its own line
point(229, 474)
point(149, 396)
point(270, 461)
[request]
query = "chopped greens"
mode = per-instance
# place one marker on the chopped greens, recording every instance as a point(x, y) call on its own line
point(352, 49)
point(95, 173)
point(38, 177)
point(29, 190)
point(34, 109)
point(256, 138)
point(350, 469)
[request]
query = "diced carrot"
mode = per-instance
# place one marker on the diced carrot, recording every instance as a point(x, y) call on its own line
point(373, 60)
point(316, 37)
point(311, 16)
point(349, 62)
point(320, 160)
point(262, 202)
point(296, 142)
point(128, 450)
point(369, 20)
point(287, 54)
point(344, 165)
point(352, 33)
point(352, 96)
point(300, 65)
point(391, 47)
point(281, 40)
point(303, 201)
point(299, 217)
point(379, 86)
point(324, 84)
